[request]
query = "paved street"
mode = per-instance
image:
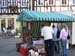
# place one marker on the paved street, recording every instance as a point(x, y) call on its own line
point(71, 52)
point(8, 47)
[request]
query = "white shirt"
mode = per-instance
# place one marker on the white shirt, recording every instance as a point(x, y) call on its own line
point(47, 32)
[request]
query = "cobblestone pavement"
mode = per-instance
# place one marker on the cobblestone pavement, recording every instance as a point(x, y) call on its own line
point(8, 47)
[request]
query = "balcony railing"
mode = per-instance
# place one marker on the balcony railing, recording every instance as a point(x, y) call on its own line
point(11, 10)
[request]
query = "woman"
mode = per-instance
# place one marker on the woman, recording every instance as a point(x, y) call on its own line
point(63, 37)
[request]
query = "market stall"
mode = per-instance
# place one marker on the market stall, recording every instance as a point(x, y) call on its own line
point(32, 22)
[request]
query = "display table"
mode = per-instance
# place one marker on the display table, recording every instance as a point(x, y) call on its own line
point(39, 44)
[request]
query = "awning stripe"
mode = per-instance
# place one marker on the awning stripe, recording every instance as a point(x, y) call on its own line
point(28, 15)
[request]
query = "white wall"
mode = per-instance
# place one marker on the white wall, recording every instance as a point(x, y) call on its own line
point(73, 33)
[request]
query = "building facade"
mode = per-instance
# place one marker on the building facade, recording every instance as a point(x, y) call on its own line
point(10, 9)
point(63, 6)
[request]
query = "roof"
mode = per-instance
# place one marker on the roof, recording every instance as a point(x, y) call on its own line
point(29, 15)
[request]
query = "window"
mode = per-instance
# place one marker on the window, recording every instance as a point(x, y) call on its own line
point(40, 2)
point(24, 3)
point(64, 1)
point(50, 1)
point(73, 1)
point(14, 2)
point(4, 3)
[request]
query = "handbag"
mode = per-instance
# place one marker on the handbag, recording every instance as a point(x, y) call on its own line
point(68, 37)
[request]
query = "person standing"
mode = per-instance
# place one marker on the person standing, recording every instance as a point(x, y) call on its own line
point(56, 39)
point(47, 33)
point(63, 37)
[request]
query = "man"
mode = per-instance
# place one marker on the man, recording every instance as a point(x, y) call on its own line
point(47, 33)
point(56, 39)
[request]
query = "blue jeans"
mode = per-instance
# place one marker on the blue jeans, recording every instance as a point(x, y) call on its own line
point(64, 49)
point(56, 46)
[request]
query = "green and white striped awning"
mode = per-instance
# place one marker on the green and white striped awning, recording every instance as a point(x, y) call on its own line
point(29, 15)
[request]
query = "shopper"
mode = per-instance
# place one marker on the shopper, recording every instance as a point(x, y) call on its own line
point(47, 33)
point(56, 39)
point(63, 37)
